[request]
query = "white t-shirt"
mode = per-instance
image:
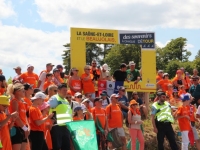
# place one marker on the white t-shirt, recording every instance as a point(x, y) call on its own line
point(198, 110)
point(105, 103)
point(42, 78)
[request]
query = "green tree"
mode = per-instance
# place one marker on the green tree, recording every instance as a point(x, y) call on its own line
point(9, 81)
point(198, 55)
point(66, 58)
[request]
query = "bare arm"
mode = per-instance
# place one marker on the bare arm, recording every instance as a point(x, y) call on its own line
point(39, 122)
point(18, 121)
point(154, 123)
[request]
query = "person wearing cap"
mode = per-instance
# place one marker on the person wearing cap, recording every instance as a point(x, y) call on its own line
point(37, 122)
point(73, 104)
point(78, 98)
point(80, 114)
point(62, 74)
point(74, 81)
point(163, 84)
point(105, 99)
point(178, 79)
point(18, 72)
point(57, 80)
point(48, 81)
point(183, 116)
point(6, 122)
point(86, 102)
point(134, 120)
point(29, 76)
point(115, 118)
point(105, 73)
point(195, 90)
point(44, 108)
point(19, 140)
point(96, 71)
point(162, 118)
point(28, 89)
point(120, 74)
point(159, 75)
point(123, 101)
point(43, 76)
point(99, 115)
point(88, 81)
point(89, 97)
point(132, 75)
point(60, 107)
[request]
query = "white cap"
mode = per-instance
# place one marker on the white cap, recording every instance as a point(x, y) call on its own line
point(39, 95)
point(85, 100)
point(131, 63)
point(77, 94)
point(105, 67)
point(29, 65)
point(114, 95)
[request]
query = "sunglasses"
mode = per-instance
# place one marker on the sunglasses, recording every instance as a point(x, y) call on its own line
point(69, 97)
point(79, 96)
point(55, 91)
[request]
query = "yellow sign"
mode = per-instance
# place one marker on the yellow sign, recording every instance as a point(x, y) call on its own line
point(81, 36)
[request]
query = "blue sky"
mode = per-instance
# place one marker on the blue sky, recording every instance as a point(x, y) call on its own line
point(33, 31)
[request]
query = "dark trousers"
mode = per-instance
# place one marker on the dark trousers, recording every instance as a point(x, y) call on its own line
point(60, 136)
point(37, 140)
point(165, 129)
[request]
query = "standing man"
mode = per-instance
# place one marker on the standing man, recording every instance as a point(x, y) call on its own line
point(132, 75)
point(120, 74)
point(3, 79)
point(105, 73)
point(159, 76)
point(29, 76)
point(42, 77)
point(60, 106)
point(18, 72)
point(195, 90)
point(161, 119)
point(195, 73)
point(95, 70)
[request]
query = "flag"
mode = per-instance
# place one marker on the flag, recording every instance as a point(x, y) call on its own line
point(101, 86)
point(83, 134)
point(110, 85)
point(118, 84)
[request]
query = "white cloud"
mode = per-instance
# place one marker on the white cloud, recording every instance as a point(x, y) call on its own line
point(6, 9)
point(161, 45)
point(20, 46)
point(126, 14)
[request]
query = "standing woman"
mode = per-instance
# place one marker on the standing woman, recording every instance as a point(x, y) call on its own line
point(134, 119)
point(178, 79)
point(74, 81)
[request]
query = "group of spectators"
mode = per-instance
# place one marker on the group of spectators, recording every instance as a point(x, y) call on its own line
point(35, 108)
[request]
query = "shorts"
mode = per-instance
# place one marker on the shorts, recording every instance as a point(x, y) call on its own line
point(120, 131)
point(194, 130)
point(19, 137)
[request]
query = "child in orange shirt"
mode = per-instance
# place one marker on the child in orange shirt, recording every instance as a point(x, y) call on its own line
point(48, 81)
point(37, 122)
point(181, 89)
point(5, 125)
point(79, 114)
point(48, 124)
point(183, 116)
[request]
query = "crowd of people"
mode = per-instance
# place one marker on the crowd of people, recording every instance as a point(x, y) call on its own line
point(34, 109)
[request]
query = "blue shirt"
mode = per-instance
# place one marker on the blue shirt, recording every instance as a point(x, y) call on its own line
point(124, 100)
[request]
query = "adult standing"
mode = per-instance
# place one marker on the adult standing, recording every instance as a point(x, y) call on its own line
point(159, 75)
point(74, 81)
point(59, 105)
point(62, 74)
point(105, 99)
point(29, 76)
point(18, 72)
point(161, 120)
point(195, 73)
point(42, 77)
point(195, 90)
point(163, 84)
point(57, 80)
point(105, 73)
point(88, 81)
point(120, 74)
point(95, 71)
point(132, 75)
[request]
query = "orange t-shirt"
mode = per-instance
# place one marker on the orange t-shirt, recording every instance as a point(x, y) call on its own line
point(158, 78)
point(47, 84)
point(164, 84)
point(115, 119)
point(2, 91)
point(169, 93)
point(35, 114)
point(180, 92)
point(30, 78)
point(76, 118)
point(21, 110)
point(5, 134)
point(88, 85)
point(184, 123)
point(47, 134)
point(76, 84)
point(99, 113)
point(28, 103)
point(176, 102)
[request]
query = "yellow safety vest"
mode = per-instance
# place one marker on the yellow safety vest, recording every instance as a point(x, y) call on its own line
point(63, 111)
point(164, 112)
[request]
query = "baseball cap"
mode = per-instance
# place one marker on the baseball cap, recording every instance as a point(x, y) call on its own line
point(17, 68)
point(105, 67)
point(78, 108)
point(185, 97)
point(39, 95)
point(27, 86)
point(121, 88)
point(165, 74)
point(4, 100)
point(97, 99)
point(59, 66)
point(77, 94)
point(103, 93)
point(55, 69)
point(49, 64)
point(132, 102)
point(85, 100)
point(44, 106)
point(160, 71)
point(114, 95)
point(159, 93)
point(29, 65)
point(131, 63)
